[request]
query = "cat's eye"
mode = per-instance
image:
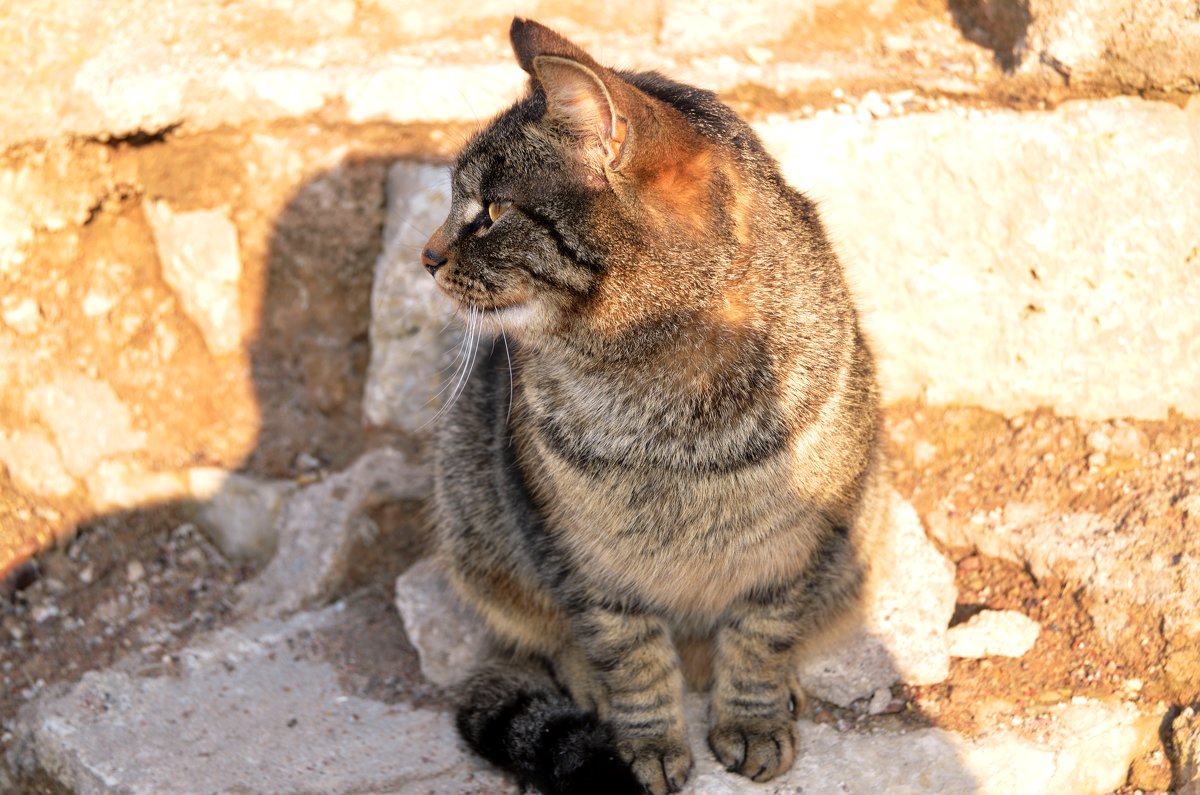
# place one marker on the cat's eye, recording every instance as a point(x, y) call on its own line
point(497, 209)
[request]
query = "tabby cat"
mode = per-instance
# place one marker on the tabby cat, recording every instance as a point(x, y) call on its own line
point(669, 461)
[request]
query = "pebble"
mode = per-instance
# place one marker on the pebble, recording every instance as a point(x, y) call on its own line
point(134, 571)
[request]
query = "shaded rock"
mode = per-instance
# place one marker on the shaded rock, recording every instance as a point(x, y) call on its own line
point(319, 527)
point(199, 255)
point(449, 638)
point(993, 287)
point(255, 708)
point(414, 332)
point(87, 418)
point(902, 636)
point(993, 633)
point(1185, 737)
point(240, 513)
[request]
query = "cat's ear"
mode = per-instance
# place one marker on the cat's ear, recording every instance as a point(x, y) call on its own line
point(577, 94)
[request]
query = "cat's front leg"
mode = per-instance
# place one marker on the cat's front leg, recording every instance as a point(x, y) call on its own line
point(636, 664)
point(755, 696)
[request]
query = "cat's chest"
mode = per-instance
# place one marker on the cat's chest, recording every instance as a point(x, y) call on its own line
point(686, 545)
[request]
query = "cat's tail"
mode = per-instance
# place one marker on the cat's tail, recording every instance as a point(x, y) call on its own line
point(515, 716)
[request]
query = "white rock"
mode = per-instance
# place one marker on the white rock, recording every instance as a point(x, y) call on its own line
point(414, 332)
point(89, 421)
point(33, 463)
point(1083, 750)
point(23, 317)
point(449, 639)
point(903, 632)
point(986, 290)
point(200, 261)
point(993, 633)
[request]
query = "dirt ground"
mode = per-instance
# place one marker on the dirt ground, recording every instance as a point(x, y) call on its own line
point(143, 584)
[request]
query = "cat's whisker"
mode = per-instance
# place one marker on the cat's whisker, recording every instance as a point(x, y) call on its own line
point(508, 356)
point(463, 360)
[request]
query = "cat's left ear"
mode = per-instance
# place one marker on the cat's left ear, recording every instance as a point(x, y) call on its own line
point(579, 98)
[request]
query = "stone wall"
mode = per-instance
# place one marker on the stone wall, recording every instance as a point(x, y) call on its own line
point(209, 215)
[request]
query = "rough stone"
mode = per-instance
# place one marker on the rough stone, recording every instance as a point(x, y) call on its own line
point(1133, 44)
point(1083, 749)
point(199, 255)
point(993, 633)
point(240, 513)
point(902, 634)
point(88, 420)
point(449, 639)
point(1185, 737)
point(320, 526)
point(992, 288)
point(1122, 573)
point(263, 707)
point(414, 332)
point(256, 709)
point(33, 463)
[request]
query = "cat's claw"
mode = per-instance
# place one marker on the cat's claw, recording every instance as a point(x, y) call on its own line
point(661, 764)
point(757, 749)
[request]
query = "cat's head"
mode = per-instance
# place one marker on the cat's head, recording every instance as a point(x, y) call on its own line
point(599, 206)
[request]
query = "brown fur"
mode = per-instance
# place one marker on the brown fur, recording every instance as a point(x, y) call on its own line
point(681, 444)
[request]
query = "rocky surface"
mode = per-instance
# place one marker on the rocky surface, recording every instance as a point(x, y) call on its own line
point(321, 525)
point(212, 317)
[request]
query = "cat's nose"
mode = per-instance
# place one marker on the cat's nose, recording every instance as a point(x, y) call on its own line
point(432, 260)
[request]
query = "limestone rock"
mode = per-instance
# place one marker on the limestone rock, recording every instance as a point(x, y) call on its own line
point(319, 526)
point(1133, 44)
point(1018, 278)
point(902, 636)
point(33, 463)
point(240, 513)
point(449, 639)
point(414, 332)
point(251, 709)
point(1185, 733)
point(1084, 750)
point(200, 261)
point(89, 421)
point(993, 633)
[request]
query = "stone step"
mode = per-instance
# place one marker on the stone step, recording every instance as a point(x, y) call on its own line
point(263, 707)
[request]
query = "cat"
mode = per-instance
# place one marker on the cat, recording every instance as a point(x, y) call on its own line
point(670, 460)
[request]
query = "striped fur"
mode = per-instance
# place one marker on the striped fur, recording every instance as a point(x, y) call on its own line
point(674, 449)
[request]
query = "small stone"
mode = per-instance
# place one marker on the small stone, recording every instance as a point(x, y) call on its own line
point(993, 633)
point(1099, 441)
point(134, 571)
point(881, 701)
point(24, 317)
point(448, 637)
point(87, 574)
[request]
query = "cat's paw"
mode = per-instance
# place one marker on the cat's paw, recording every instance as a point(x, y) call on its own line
point(759, 749)
point(662, 764)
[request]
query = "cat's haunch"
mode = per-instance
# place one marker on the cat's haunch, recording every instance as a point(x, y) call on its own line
point(669, 469)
